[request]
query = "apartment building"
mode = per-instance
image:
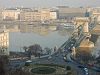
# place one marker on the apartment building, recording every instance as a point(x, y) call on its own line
point(30, 15)
point(11, 14)
point(48, 14)
point(38, 15)
point(4, 42)
point(96, 14)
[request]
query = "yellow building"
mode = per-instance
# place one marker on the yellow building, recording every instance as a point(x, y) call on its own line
point(45, 14)
point(38, 15)
point(4, 42)
point(48, 14)
point(30, 16)
point(11, 14)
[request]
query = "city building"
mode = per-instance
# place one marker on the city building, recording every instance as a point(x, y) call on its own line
point(48, 14)
point(38, 15)
point(11, 14)
point(96, 14)
point(53, 15)
point(30, 15)
point(4, 42)
point(65, 12)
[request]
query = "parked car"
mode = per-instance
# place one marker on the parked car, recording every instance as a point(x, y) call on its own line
point(86, 71)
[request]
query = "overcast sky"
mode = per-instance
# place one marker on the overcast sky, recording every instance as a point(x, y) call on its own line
point(49, 3)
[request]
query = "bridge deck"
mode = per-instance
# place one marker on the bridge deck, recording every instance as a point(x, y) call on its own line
point(96, 30)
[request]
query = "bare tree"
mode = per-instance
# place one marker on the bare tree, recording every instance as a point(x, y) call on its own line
point(35, 50)
point(25, 48)
point(3, 65)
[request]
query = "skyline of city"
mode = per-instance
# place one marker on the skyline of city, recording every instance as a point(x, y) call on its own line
point(49, 37)
point(49, 3)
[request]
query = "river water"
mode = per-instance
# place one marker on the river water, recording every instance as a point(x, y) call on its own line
point(45, 38)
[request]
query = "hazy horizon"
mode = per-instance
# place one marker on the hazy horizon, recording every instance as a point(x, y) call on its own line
point(49, 3)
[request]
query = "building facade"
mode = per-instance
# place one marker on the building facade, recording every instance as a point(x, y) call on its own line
point(30, 16)
point(4, 42)
point(11, 14)
point(68, 13)
point(48, 14)
point(38, 15)
point(95, 14)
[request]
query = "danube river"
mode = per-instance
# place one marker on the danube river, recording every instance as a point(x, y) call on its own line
point(45, 38)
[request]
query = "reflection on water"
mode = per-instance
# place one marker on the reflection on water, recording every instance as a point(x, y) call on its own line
point(46, 36)
point(42, 30)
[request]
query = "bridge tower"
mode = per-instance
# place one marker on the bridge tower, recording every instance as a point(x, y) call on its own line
point(84, 22)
